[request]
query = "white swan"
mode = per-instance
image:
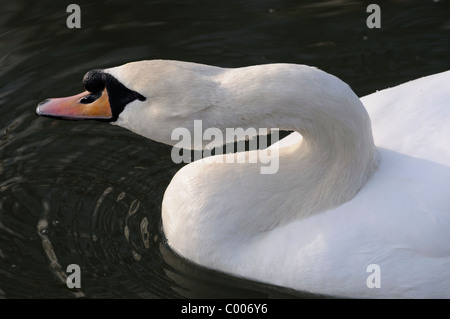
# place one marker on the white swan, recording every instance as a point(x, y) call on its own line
point(338, 204)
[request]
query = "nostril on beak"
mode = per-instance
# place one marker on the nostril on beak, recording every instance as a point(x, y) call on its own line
point(91, 97)
point(44, 102)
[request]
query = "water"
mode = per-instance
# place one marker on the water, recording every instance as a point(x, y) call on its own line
point(90, 193)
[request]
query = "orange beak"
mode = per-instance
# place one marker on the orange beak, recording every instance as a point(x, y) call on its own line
point(82, 106)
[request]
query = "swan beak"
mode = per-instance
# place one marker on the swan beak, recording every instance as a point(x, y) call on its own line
point(83, 106)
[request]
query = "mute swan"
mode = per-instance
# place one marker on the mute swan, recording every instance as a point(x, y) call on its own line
point(347, 214)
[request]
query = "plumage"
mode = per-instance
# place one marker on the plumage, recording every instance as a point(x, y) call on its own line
point(360, 181)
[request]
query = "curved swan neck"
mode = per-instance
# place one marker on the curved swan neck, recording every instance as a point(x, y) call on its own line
point(332, 120)
point(326, 169)
point(337, 154)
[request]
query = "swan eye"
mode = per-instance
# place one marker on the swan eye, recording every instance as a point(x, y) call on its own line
point(90, 98)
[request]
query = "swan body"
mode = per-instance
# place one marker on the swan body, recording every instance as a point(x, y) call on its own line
point(361, 182)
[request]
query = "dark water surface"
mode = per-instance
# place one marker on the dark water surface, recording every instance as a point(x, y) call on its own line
point(89, 193)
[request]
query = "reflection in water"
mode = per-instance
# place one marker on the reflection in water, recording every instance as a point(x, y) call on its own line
point(90, 193)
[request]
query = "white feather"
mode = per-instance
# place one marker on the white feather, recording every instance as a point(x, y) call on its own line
point(353, 188)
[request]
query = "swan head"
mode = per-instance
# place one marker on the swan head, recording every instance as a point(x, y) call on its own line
point(104, 98)
point(150, 98)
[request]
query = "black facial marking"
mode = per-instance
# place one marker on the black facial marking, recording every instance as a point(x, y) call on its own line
point(119, 95)
point(91, 97)
point(94, 81)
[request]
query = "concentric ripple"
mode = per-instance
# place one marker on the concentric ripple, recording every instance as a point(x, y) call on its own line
point(90, 194)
